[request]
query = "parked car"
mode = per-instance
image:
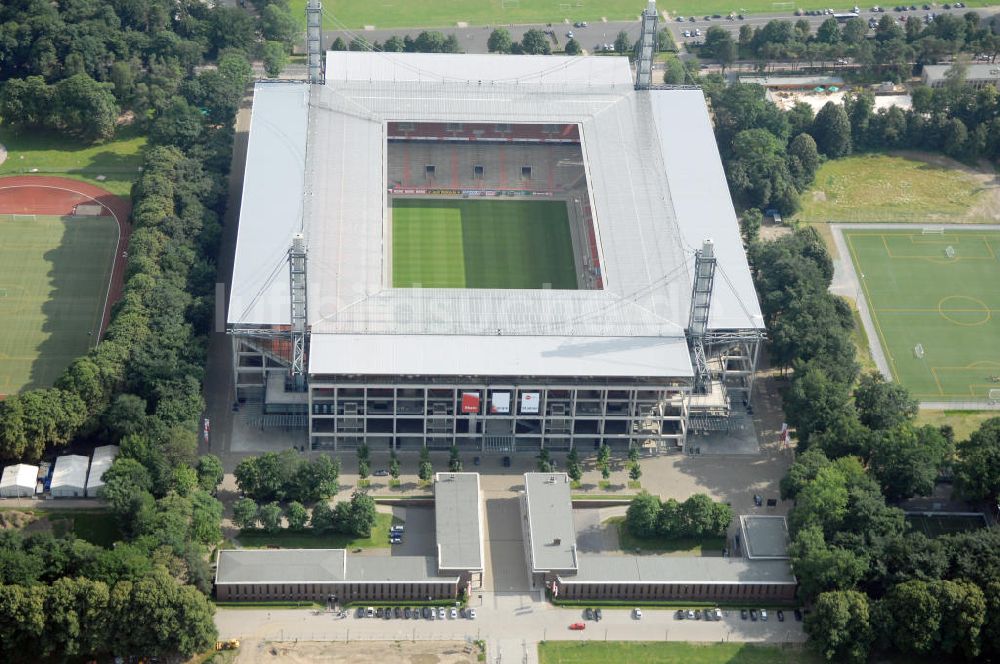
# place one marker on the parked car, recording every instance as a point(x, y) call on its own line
point(697, 614)
point(388, 614)
point(381, 472)
point(472, 614)
point(717, 614)
point(743, 614)
point(415, 612)
point(753, 615)
point(360, 613)
point(598, 615)
point(440, 613)
point(798, 615)
point(588, 614)
point(397, 612)
point(679, 615)
point(378, 612)
point(406, 612)
point(426, 612)
point(781, 615)
point(637, 613)
point(763, 614)
point(578, 625)
point(453, 614)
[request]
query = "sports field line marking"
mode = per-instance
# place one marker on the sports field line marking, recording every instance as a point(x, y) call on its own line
point(871, 307)
point(937, 259)
point(118, 242)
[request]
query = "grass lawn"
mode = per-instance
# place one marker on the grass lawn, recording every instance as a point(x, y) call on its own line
point(55, 154)
point(964, 422)
point(54, 274)
point(947, 305)
point(883, 187)
point(481, 244)
point(687, 547)
point(353, 14)
point(290, 539)
point(670, 652)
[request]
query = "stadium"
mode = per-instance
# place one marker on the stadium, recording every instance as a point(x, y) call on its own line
point(496, 252)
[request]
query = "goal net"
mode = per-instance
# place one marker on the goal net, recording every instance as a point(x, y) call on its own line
point(949, 251)
point(20, 217)
point(918, 351)
point(994, 395)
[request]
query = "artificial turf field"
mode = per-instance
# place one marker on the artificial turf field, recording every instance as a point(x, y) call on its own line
point(950, 306)
point(481, 244)
point(54, 274)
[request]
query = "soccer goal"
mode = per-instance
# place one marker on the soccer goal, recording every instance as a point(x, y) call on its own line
point(933, 230)
point(994, 395)
point(22, 217)
point(949, 251)
point(918, 351)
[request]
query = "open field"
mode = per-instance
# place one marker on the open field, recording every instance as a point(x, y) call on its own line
point(52, 153)
point(669, 652)
point(901, 187)
point(481, 244)
point(396, 652)
point(355, 14)
point(919, 296)
point(711, 546)
point(935, 526)
point(964, 422)
point(54, 274)
point(290, 539)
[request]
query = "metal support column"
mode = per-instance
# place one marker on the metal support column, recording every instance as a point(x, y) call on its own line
point(701, 305)
point(297, 288)
point(314, 40)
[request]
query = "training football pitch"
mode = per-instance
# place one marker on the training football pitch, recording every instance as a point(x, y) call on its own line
point(54, 274)
point(481, 244)
point(934, 300)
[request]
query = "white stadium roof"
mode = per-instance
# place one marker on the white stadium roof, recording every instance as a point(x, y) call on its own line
point(316, 165)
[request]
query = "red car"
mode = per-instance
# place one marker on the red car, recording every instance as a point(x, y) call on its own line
point(578, 626)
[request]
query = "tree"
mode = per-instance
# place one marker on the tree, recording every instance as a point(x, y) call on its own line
point(245, 513)
point(573, 47)
point(603, 456)
point(364, 470)
point(425, 471)
point(643, 515)
point(814, 403)
point(338, 44)
point(750, 223)
point(623, 44)
point(855, 30)
point(977, 469)
point(963, 608)
point(803, 471)
point(277, 25)
point(606, 472)
point(454, 460)
point(821, 568)
point(22, 620)
point(881, 404)
point(704, 518)
point(85, 107)
point(269, 476)
point(803, 160)
point(535, 42)
point(633, 453)
point(322, 519)
point(828, 32)
point(544, 461)
point(317, 480)
point(210, 472)
point(393, 45)
point(906, 460)
point(758, 171)
point(719, 45)
point(362, 514)
point(634, 472)
point(296, 515)
point(270, 517)
point(394, 465)
point(178, 124)
point(185, 480)
point(674, 72)
point(275, 58)
point(500, 41)
point(573, 467)
point(912, 617)
point(206, 518)
point(839, 626)
point(832, 131)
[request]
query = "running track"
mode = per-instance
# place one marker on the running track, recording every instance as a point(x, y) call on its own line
point(35, 194)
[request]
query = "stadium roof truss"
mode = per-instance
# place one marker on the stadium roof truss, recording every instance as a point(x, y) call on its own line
point(316, 165)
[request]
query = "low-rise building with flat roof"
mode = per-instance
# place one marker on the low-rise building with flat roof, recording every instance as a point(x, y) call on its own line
point(101, 461)
point(547, 525)
point(18, 481)
point(677, 578)
point(764, 537)
point(322, 575)
point(976, 75)
point(69, 477)
point(458, 525)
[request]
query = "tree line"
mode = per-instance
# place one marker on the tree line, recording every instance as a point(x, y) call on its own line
point(140, 387)
point(697, 517)
point(872, 580)
point(888, 52)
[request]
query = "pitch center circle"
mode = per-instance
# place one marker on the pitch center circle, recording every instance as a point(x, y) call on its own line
point(964, 310)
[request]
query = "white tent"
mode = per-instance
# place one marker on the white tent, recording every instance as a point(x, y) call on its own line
point(69, 478)
point(103, 457)
point(19, 481)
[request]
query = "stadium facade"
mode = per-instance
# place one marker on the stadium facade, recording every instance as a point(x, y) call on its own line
point(640, 352)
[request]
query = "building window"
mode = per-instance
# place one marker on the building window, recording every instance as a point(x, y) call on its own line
point(526, 172)
point(429, 170)
point(478, 172)
point(454, 126)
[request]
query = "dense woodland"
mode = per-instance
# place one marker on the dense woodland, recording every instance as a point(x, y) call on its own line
point(84, 67)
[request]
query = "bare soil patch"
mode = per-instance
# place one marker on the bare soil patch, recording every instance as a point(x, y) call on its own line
point(338, 652)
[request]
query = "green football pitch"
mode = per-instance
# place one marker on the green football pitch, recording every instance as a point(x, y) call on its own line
point(481, 244)
point(54, 274)
point(935, 309)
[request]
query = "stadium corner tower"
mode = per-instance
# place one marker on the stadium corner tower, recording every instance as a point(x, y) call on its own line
point(498, 252)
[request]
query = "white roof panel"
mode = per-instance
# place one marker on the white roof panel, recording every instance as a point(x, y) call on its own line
point(446, 355)
point(20, 476)
point(550, 522)
point(70, 471)
point(458, 521)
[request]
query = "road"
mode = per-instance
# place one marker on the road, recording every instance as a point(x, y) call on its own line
point(505, 621)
